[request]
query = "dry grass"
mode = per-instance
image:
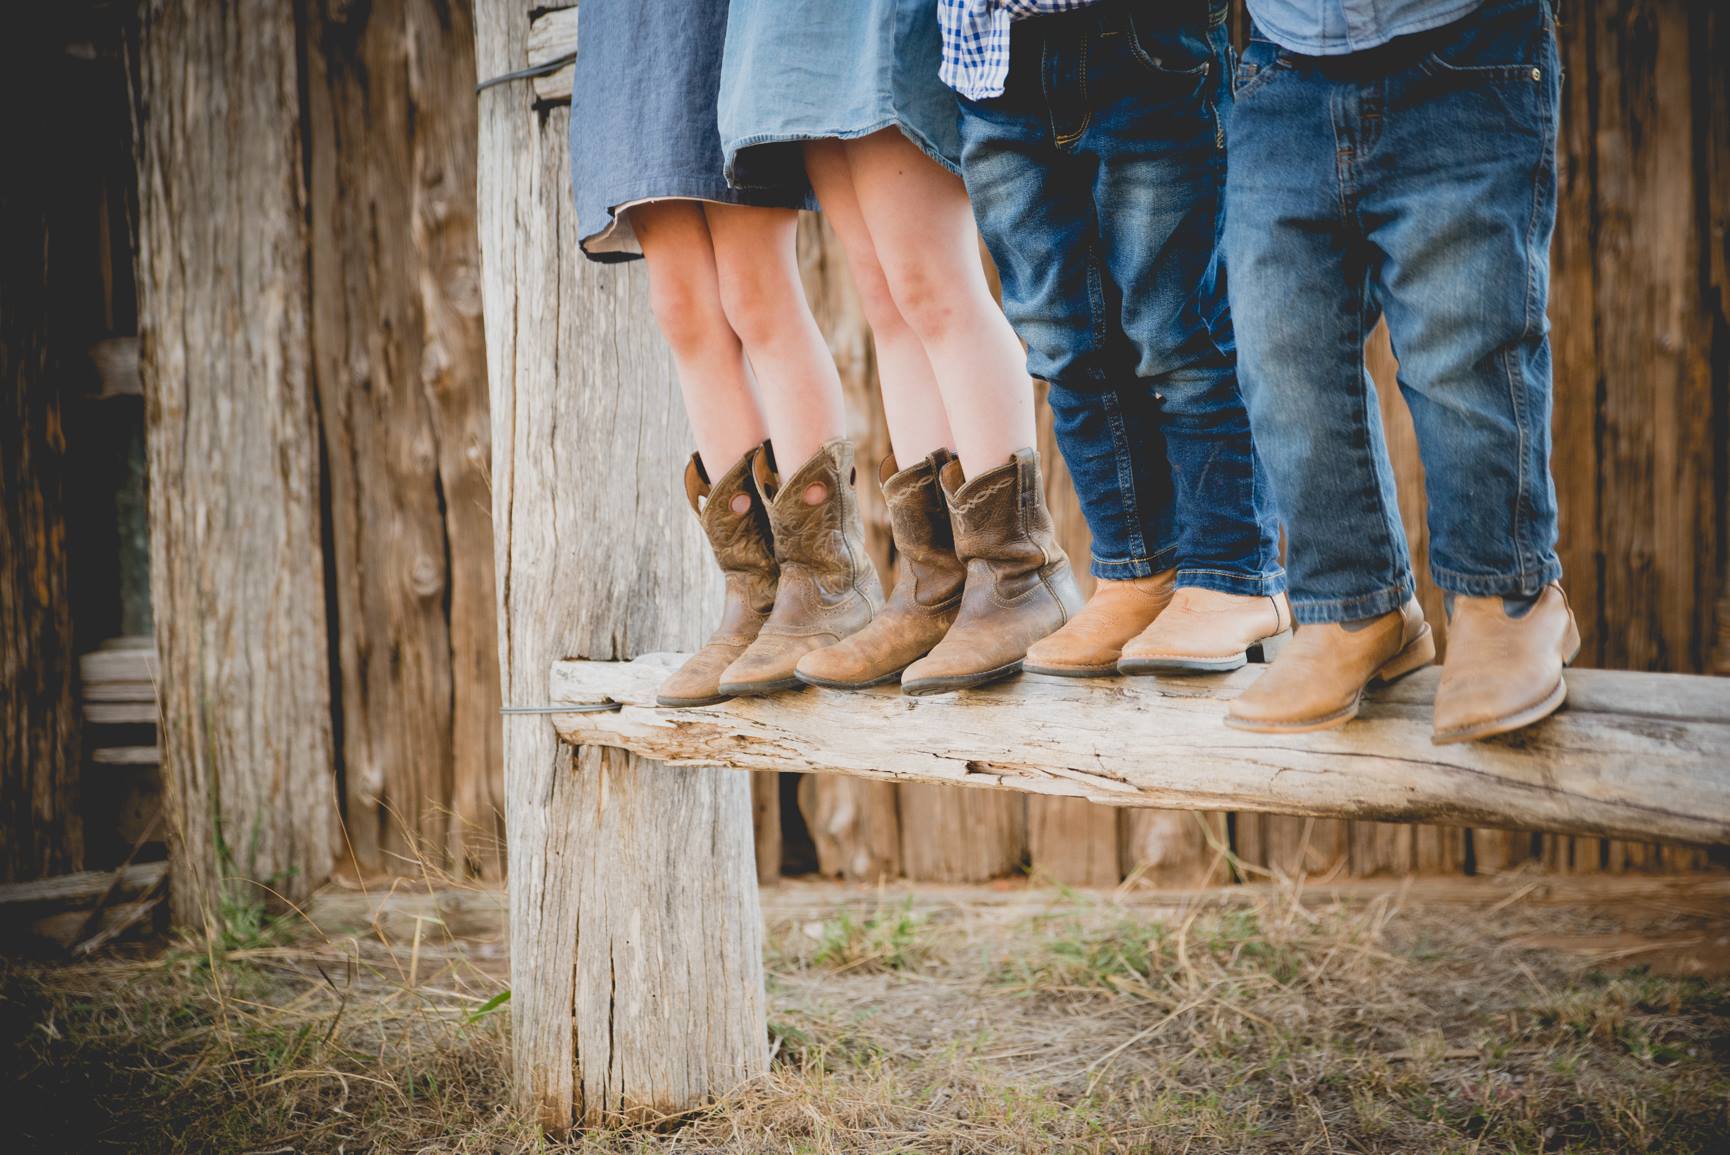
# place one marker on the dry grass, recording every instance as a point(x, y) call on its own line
point(1077, 1023)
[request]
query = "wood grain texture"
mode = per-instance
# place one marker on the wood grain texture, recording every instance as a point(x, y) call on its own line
point(636, 941)
point(41, 831)
point(401, 372)
point(237, 563)
point(1633, 756)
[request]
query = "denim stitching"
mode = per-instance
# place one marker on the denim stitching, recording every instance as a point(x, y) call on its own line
point(1125, 475)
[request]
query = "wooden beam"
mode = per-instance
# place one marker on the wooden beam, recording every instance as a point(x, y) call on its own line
point(1633, 756)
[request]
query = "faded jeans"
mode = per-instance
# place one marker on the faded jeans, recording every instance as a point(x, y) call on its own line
point(1415, 182)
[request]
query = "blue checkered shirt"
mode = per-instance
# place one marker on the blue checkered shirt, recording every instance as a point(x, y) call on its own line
point(976, 40)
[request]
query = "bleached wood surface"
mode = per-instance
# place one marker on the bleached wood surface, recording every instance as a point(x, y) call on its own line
point(1632, 756)
point(636, 938)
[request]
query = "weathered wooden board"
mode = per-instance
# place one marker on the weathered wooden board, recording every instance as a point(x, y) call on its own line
point(1634, 755)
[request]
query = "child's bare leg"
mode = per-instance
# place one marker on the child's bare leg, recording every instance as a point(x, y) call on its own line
point(764, 302)
point(685, 295)
point(923, 233)
point(912, 403)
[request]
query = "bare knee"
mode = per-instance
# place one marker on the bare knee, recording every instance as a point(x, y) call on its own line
point(757, 300)
point(930, 305)
point(876, 301)
point(688, 312)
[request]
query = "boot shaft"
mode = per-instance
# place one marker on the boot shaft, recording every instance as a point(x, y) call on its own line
point(927, 572)
point(741, 541)
point(820, 544)
point(1001, 522)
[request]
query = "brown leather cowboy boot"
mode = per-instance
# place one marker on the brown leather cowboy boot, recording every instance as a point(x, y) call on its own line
point(1207, 631)
point(1090, 643)
point(828, 588)
point(927, 593)
point(1319, 679)
point(1019, 585)
point(746, 556)
point(1503, 673)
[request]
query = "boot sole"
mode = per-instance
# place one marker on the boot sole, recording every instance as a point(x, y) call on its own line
point(832, 684)
point(1070, 671)
point(1507, 723)
point(689, 703)
point(1419, 652)
point(1263, 651)
point(759, 689)
point(927, 686)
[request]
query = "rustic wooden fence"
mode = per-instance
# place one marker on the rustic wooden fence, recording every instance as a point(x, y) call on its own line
point(381, 536)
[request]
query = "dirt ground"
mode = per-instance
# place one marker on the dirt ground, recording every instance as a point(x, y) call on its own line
point(1516, 1014)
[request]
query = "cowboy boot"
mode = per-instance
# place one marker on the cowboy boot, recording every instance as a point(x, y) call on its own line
point(740, 541)
point(927, 593)
point(1207, 631)
point(828, 588)
point(1502, 672)
point(1019, 586)
point(1320, 677)
point(1090, 643)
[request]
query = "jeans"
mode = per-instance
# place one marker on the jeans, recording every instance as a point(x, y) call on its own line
point(1097, 180)
point(1415, 182)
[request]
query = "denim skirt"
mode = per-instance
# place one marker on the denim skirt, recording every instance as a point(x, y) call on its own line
point(643, 119)
point(798, 70)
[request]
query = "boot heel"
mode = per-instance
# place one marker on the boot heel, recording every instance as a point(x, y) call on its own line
point(1268, 649)
point(1419, 652)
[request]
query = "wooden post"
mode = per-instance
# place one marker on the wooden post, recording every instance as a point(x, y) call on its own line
point(237, 564)
point(40, 831)
point(636, 939)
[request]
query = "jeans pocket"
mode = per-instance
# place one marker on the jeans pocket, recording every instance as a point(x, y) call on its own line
point(1178, 52)
point(1512, 40)
point(1259, 62)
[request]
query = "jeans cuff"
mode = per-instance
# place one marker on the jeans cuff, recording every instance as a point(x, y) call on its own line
point(1123, 569)
point(1523, 583)
point(1249, 585)
point(1321, 611)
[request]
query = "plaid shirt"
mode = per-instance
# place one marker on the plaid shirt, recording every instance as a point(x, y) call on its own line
point(976, 40)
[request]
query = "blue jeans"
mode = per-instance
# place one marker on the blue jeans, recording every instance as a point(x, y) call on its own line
point(1097, 179)
point(1416, 182)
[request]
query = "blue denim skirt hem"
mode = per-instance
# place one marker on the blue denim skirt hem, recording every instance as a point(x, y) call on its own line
point(643, 119)
point(802, 70)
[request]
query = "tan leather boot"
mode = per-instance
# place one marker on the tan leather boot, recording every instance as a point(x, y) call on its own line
point(747, 557)
point(1090, 643)
point(1019, 585)
point(828, 588)
point(927, 593)
point(1320, 678)
point(1206, 631)
point(1503, 673)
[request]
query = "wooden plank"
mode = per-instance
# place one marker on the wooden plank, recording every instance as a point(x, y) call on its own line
point(40, 830)
point(121, 713)
point(1175, 848)
point(552, 36)
point(126, 756)
point(79, 890)
point(401, 373)
point(1634, 755)
point(766, 824)
point(1073, 842)
point(855, 826)
point(636, 943)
